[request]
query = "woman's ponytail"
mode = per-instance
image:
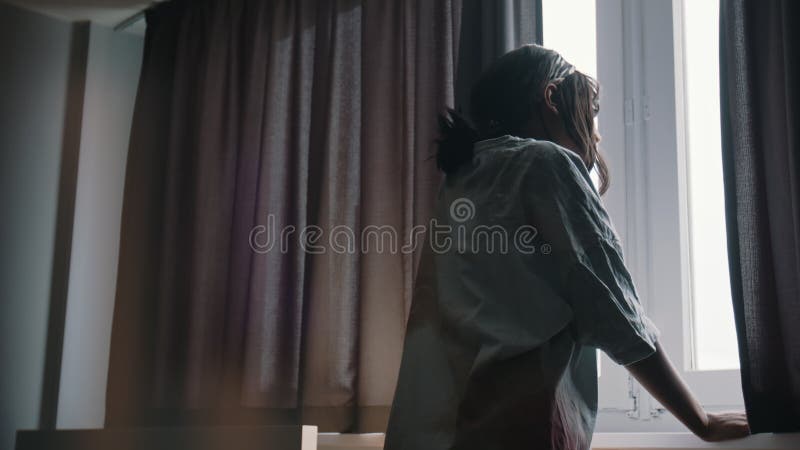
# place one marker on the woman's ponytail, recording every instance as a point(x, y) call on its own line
point(457, 137)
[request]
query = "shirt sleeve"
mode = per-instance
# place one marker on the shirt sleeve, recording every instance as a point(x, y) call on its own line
point(572, 224)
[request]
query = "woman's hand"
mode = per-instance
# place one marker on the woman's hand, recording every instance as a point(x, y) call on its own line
point(657, 374)
point(724, 426)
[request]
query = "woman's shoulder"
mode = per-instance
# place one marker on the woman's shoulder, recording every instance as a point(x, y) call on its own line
point(538, 161)
point(547, 166)
point(548, 152)
point(547, 158)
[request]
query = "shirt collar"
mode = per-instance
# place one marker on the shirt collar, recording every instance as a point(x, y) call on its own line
point(506, 140)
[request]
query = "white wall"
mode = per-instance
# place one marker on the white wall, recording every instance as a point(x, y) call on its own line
point(112, 74)
point(65, 106)
point(35, 55)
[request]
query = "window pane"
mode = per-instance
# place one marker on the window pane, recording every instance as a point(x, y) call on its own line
point(570, 29)
point(714, 335)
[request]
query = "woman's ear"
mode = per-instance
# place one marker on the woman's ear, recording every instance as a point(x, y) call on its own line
point(549, 103)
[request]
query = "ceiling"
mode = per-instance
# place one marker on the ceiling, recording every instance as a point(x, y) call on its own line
point(104, 12)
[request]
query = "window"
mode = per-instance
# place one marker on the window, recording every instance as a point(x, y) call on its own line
point(713, 332)
point(577, 43)
point(659, 118)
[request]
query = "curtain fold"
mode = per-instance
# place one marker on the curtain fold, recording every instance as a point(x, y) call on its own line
point(490, 29)
point(255, 122)
point(759, 56)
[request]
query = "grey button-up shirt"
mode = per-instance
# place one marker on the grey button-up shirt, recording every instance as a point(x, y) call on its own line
point(521, 278)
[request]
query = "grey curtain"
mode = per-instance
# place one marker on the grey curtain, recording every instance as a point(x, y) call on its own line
point(315, 113)
point(759, 56)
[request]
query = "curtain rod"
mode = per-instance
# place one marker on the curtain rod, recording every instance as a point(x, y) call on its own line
point(127, 23)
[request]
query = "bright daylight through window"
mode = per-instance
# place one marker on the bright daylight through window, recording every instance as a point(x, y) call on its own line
point(713, 333)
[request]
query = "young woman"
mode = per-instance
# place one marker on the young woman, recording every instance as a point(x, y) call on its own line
point(522, 277)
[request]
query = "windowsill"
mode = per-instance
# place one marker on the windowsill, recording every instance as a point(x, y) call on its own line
point(690, 441)
point(601, 441)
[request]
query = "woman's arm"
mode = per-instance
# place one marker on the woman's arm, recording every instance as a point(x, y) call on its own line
point(657, 374)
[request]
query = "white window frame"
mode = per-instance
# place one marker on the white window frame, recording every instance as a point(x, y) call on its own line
point(640, 69)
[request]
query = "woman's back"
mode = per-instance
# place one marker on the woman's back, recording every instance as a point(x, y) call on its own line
point(493, 299)
point(493, 259)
